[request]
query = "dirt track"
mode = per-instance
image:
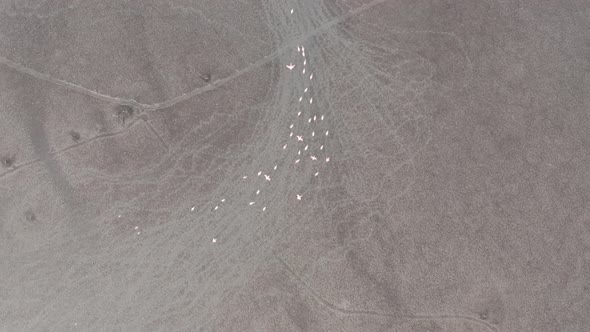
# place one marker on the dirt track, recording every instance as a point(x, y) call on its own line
point(350, 166)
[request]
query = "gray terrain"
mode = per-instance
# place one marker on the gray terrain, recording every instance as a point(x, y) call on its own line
point(295, 165)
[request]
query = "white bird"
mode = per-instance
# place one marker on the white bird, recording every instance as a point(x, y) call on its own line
point(298, 49)
point(303, 71)
point(327, 159)
point(321, 147)
point(266, 177)
point(214, 240)
point(244, 177)
point(311, 76)
point(302, 49)
point(298, 197)
point(306, 148)
point(257, 191)
point(290, 66)
point(316, 173)
point(327, 132)
point(251, 203)
point(301, 98)
point(259, 173)
point(291, 134)
point(313, 133)
point(305, 90)
point(314, 117)
point(303, 53)
point(313, 158)
point(298, 114)
point(297, 161)
point(284, 146)
point(291, 126)
point(300, 138)
point(322, 118)
point(264, 208)
point(310, 100)
point(217, 207)
point(291, 10)
point(309, 120)
point(275, 168)
point(304, 62)
point(222, 200)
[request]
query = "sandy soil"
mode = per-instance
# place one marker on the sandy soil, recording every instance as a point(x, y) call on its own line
point(294, 165)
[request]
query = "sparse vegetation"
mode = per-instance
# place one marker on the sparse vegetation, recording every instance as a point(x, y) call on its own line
point(7, 161)
point(206, 77)
point(30, 216)
point(124, 112)
point(75, 135)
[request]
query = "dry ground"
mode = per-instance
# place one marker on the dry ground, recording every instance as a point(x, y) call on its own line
point(443, 165)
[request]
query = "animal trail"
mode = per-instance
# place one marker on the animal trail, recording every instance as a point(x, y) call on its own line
point(302, 150)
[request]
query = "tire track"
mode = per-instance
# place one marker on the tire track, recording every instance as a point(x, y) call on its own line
point(333, 307)
point(168, 103)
